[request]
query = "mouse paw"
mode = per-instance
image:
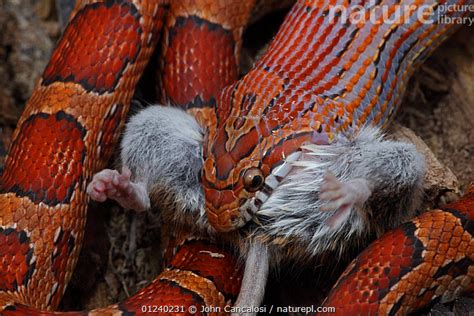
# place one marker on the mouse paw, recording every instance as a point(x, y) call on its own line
point(110, 184)
point(342, 196)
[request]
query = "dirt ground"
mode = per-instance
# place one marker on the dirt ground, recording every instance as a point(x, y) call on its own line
point(121, 249)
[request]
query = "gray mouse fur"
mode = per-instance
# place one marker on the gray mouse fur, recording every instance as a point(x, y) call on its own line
point(290, 216)
point(162, 146)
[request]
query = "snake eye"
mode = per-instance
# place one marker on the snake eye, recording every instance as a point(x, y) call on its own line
point(253, 179)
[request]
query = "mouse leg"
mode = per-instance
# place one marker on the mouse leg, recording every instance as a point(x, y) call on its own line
point(343, 196)
point(379, 181)
point(255, 278)
point(111, 184)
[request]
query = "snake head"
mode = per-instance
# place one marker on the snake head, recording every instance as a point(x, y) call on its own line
point(249, 150)
point(236, 183)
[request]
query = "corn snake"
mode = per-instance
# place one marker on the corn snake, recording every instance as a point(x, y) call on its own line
point(63, 237)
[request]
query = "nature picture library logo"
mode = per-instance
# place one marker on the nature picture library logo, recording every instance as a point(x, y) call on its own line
point(376, 12)
point(456, 14)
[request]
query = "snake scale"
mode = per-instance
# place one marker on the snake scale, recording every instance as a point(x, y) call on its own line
point(316, 80)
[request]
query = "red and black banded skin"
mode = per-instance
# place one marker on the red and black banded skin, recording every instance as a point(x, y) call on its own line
point(200, 274)
point(66, 134)
point(71, 124)
point(322, 76)
point(201, 49)
point(426, 260)
point(200, 53)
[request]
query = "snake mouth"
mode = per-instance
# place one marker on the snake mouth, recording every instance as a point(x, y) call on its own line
point(250, 209)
